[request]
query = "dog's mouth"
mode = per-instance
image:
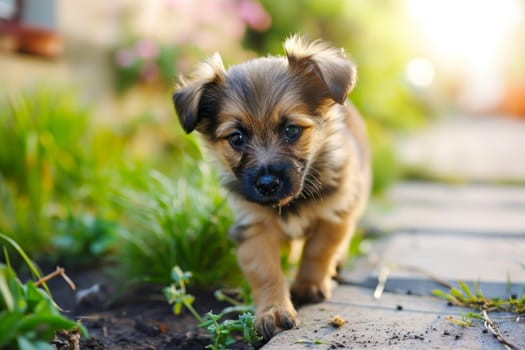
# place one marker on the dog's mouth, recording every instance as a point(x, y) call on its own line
point(275, 202)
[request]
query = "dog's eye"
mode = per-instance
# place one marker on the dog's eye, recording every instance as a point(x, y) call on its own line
point(236, 139)
point(292, 133)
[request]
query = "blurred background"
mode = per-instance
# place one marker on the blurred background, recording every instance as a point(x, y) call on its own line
point(89, 141)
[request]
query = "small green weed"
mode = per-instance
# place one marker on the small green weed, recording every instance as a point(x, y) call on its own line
point(465, 321)
point(223, 333)
point(474, 299)
point(28, 316)
point(176, 293)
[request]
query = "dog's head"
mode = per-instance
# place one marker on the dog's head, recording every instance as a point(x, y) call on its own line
point(264, 119)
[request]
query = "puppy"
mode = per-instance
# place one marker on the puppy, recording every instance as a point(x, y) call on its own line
point(293, 154)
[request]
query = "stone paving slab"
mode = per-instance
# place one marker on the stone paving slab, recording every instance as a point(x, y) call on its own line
point(475, 148)
point(468, 257)
point(394, 321)
point(470, 208)
point(411, 260)
point(406, 217)
point(484, 195)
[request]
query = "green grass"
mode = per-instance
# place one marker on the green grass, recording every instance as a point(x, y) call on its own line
point(50, 169)
point(42, 143)
point(42, 137)
point(180, 222)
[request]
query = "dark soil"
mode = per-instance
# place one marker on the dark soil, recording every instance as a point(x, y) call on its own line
point(140, 319)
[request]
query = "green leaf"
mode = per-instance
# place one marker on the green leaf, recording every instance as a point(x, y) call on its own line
point(441, 294)
point(11, 290)
point(26, 344)
point(8, 301)
point(8, 326)
point(474, 315)
point(477, 291)
point(177, 308)
point(457, 293)
point(180, 276)
point(37, 300)
point(188, 299)
point(466, 290)
point(45, 325)
point(169, 293)
point(32, 267)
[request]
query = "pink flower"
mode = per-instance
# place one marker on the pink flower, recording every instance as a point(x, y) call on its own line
point(146, 49)
point(149, 71)
point(125, 58)
point(251, 12)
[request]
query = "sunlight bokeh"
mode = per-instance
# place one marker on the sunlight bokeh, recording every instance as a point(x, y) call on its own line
point(470, 39)
point(420, 72)
point(467, 31)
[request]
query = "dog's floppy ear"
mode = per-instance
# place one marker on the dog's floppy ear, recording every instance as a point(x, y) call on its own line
point(331, 66)
point(189, 97)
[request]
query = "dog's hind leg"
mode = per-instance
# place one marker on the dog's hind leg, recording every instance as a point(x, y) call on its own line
point(321, 254)
point(343, 250)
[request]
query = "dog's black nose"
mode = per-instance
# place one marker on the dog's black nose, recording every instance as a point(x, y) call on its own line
point(267, 184)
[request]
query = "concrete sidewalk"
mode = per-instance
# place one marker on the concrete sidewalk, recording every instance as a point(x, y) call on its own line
point(474, 233)
point(476, 148)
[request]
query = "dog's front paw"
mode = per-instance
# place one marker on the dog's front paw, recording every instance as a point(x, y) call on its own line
point(275, 319)
point(305, 292)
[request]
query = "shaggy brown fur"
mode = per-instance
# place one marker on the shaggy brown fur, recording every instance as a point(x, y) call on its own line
point(293, 154)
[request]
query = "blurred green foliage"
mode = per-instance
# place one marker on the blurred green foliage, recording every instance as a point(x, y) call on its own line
point(46, 163)
point(83, 239)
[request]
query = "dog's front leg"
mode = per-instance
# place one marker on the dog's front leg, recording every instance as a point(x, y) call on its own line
point(259, 259)
point(321, 254)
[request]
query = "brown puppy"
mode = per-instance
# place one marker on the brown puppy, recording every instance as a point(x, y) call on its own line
point(293, 154)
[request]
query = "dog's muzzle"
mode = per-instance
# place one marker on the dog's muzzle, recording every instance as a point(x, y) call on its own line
point(270, 184)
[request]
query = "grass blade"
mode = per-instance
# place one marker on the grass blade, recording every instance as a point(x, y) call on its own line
point(32, 266)
point(465, 288)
